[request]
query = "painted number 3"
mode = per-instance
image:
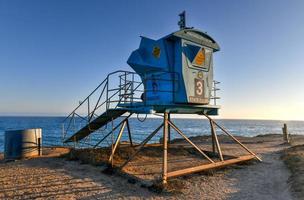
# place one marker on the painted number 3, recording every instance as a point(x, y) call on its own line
point(199, 87)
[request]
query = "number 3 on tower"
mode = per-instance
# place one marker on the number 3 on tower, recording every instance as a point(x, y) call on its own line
point(199, 87)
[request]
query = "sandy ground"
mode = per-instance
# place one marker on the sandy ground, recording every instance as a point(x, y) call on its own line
point(294, 160)
point(52, 177)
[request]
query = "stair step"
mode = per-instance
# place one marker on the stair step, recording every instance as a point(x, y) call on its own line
point(97, 123)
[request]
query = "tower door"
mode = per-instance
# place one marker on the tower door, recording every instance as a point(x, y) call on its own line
point(196, 66)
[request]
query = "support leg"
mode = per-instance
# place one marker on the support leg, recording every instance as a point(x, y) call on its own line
point(75, 142)
point(236, 140)
point(165, 147)
point(188, 140)
point(129, 133)
point(117, 141)
point(112, 141)
point(212, 137)
point(141, 145)
point(169, 129)
point(215, 140)
point(100, 141)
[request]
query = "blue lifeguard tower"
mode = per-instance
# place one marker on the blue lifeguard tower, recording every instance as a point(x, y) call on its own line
point(173, 75)
point(177, 72)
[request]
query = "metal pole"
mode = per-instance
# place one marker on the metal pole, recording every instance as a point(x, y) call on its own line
point(188, 140)
point(132, 89)
point(117, 141)
point(39, 146)
point(212, 136)
point(169, 129)
point(95, 108)
point(113, 129)
point(120, 86)
point(236, 140)
point(165, 147)
point(112, 164)
point(215, 141)
point(214, 87)
point(125, 88)
point(89, 110)
point(145, 90)
point(107, 95)
point(63, 134)
point(141, 145)
point(129, 132)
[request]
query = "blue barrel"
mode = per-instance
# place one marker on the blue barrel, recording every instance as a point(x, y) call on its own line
point(22, 143)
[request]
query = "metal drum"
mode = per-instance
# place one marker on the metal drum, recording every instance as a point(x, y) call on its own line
point(22, 143)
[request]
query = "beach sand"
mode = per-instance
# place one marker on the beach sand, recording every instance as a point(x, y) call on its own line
point(52, 176)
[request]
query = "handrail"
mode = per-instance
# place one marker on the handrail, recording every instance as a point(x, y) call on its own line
point(213, 91)
point(85, 99)
point(127, 90)
point(106, 79)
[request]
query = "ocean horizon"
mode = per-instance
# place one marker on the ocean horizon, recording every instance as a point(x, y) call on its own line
point(52, 128)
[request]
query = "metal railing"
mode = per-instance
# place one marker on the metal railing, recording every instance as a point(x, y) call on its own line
point(118, 88)
point(214, 90)
point(104, 97)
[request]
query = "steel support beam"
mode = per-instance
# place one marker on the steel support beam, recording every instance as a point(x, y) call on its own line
point(100, 141)
point(215, 141)
point(141, 145)
point(188, 140)
point(129, 132)
point(236, 140)
point(209, 166)
point(165, 148)
point(117, 141)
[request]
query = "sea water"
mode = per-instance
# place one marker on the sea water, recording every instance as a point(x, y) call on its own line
point(52, 128)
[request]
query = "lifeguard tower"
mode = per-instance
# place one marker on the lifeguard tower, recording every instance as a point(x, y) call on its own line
point(173, 75)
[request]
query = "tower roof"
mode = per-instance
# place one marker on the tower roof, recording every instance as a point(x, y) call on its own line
point(196, 36)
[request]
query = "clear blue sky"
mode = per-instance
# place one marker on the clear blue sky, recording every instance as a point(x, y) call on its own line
point(54, 52)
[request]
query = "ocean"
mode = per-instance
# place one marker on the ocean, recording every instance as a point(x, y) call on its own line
point(52, 128)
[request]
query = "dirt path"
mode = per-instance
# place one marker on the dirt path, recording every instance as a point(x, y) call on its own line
point(266, 180)
point(56, 178)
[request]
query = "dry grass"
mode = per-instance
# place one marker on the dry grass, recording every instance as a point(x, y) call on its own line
point(294, 160)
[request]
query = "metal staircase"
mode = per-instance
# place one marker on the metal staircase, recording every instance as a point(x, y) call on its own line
point(102, 105)
point(94, 125)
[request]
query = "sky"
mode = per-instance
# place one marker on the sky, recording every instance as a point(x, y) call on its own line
point(54, 52)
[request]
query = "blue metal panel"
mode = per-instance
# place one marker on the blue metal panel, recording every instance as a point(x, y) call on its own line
point(180, 96)
point(22, 143)
point(13, 145)
point(159, 88)
point(151, 62)
point(145, 59)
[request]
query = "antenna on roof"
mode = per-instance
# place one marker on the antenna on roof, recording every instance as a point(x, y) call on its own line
point(182, 20)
